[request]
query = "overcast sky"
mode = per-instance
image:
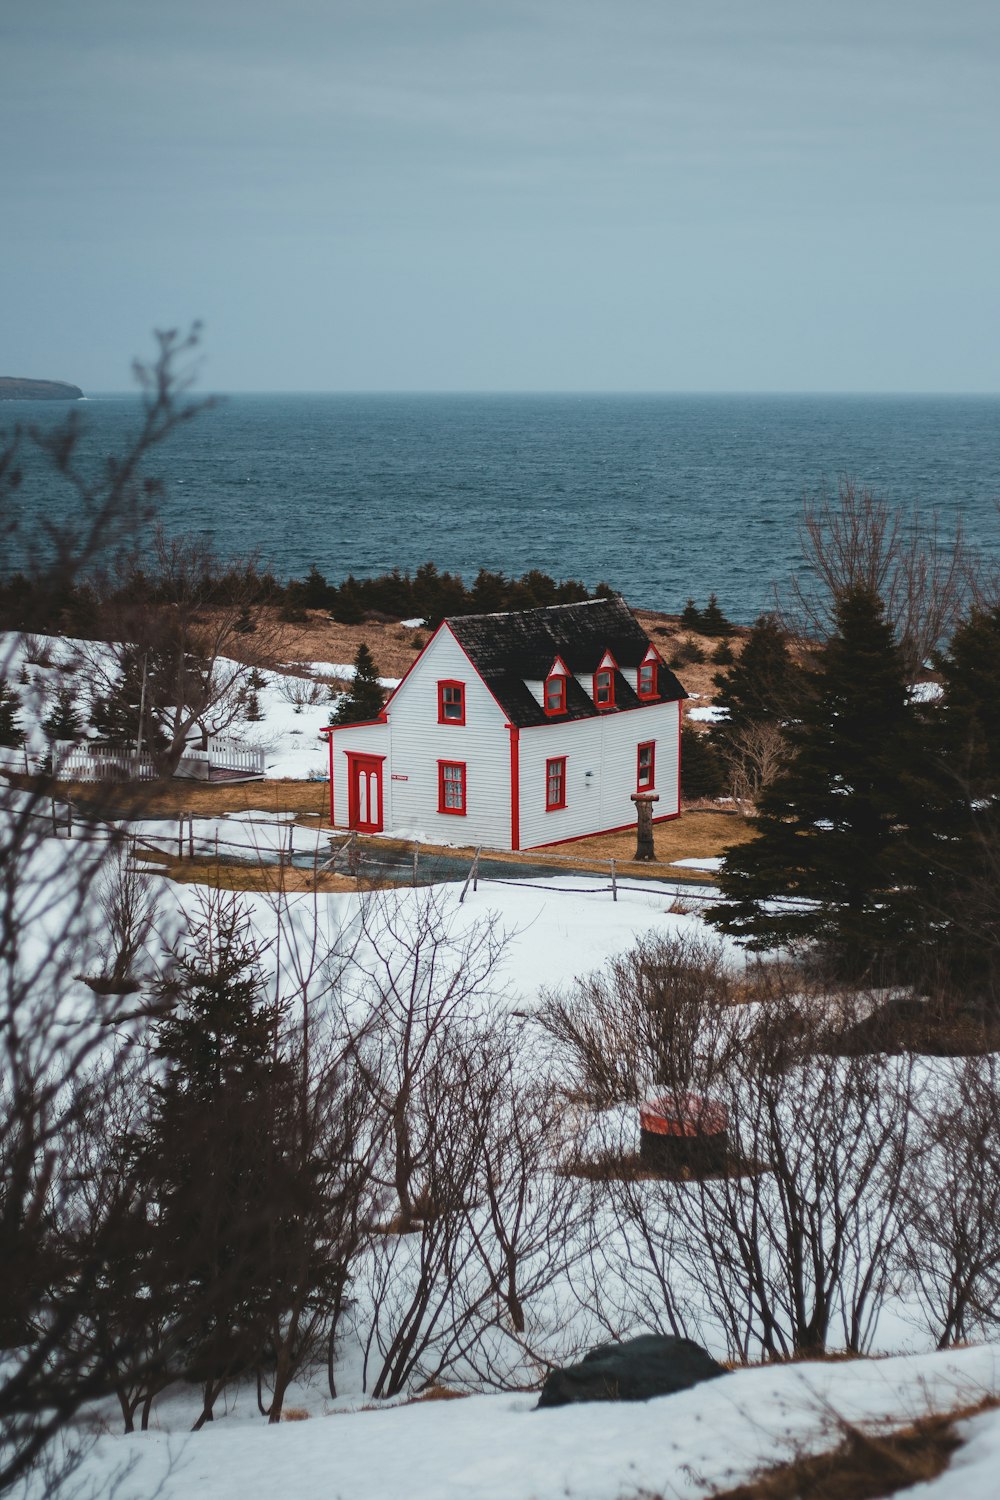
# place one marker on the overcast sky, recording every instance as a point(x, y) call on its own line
point(681, 195)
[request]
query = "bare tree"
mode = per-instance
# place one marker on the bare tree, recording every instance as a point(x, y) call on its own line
point(951, 1251)
point(860, 541)
point(755, 755)
point(190, 631)
point(52, 1027)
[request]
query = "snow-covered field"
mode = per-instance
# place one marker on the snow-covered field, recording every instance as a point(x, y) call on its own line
point(499, 1448)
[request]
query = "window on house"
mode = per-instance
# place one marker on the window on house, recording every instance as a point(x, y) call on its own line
point(646, 769)
point(555, 783)
point(451, 787)
point(646, 687)
point(451, 702)
point(555, 695)
point(604, 688)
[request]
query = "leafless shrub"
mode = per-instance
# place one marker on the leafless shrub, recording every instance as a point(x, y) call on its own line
point(639, 1023)
point(756, 755)
point(951, 1250)
point(302, 692)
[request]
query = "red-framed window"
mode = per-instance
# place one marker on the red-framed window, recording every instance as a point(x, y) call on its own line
point(555, 783)
point(555, 694)
point(451, 787)
point(451, 702)
point(604, 687)
point(645, 774)
point(646, 682)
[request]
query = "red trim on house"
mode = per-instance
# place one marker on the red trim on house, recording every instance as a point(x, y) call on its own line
point(459, 781)
point(649, 785)
point(361, 724)
point(560, 779)
point(515, 786)
point(356, 762)
point(446, 686)
point(680, 726)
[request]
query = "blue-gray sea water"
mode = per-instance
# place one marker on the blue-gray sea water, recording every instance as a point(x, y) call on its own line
point(664, 497)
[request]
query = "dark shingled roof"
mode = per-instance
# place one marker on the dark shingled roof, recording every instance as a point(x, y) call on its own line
point(508, 650)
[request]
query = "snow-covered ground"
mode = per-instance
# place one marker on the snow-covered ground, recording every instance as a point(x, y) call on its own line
point(293, 709)
point(499, 1448)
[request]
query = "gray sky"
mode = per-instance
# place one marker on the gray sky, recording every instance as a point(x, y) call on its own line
point(516, 195)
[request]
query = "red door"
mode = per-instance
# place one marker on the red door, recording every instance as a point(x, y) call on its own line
point(364, 793)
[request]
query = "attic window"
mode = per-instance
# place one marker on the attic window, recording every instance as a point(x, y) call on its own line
point(555, 694)
point(646, 684)
point(451, 702)
point(604, 687)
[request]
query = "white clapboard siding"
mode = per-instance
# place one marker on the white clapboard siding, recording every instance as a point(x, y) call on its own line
point(419, 742)
point(606, 747)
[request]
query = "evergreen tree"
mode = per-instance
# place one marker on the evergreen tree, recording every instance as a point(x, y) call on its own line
point(116, 716)
point(956, 849)
point(63, 721)
point(225, 1195)
point(833, 828)
point(365, 698)
point(691, 616)
point(713, 621)
point(764, 684)
point(702, 771)
point(11, 733)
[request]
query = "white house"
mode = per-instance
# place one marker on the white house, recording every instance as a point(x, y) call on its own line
point(517, 730)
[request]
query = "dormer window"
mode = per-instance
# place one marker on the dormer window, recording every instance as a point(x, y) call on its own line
point(646, 684)
point(604, 687)
point(555, 694)
point(451, 702)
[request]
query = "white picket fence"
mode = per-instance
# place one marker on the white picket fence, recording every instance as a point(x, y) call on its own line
point(120, 763)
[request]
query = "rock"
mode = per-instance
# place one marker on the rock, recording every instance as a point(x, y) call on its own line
point(13, 389)
point(651, 1365)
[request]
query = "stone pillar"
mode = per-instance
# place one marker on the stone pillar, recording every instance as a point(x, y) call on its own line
point(644, 824)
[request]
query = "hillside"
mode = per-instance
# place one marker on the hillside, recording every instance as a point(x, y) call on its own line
point(13, 388)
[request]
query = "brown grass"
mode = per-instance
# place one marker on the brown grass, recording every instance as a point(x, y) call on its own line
point(863, 1466)
point(698, 834)
point(309, 800)
point(295, 1414)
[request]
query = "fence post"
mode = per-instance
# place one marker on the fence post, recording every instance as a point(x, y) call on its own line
point(190, 838)
point(614, 882)
point(180, 837)
point(473, 872)
point(416, 859)
point(55, 825)
point(291, 838)
point(69, 818)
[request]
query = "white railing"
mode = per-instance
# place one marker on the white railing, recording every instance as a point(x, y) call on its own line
point(230, 755)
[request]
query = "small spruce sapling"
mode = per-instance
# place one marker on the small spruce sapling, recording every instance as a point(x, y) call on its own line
point(11, 733)
point(364, 699)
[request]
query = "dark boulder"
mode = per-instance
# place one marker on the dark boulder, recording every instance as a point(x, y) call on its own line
point(652, 1365)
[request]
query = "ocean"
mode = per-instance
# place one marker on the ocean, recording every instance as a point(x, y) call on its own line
point(663, 497)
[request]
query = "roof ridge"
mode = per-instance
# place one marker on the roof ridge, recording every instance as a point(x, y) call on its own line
point(537, 609)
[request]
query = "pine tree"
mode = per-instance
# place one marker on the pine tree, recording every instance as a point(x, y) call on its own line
point(833, 827)
point(763, 685)
point(63, 721)
point(213, 1147)
point(11, 733)
point(691, 616)
point(702, 771)
point(713, 621)
point(364, 699)
point(956, 849)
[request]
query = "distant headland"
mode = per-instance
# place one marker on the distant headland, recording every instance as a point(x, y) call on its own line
point(13, 389)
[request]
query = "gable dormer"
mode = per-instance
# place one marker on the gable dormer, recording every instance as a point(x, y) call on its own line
point(603, 689)
point(554, 688)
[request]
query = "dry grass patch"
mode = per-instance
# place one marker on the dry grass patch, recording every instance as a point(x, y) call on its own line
point(864, 1465)
point(295, 1414)
point(308, 800)
point(701, 834)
